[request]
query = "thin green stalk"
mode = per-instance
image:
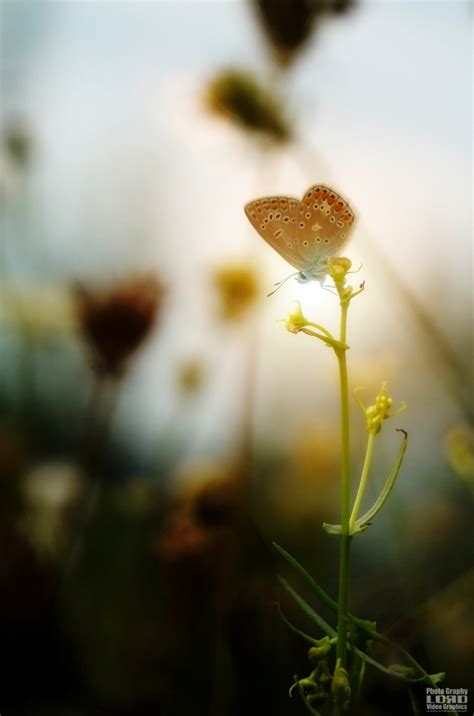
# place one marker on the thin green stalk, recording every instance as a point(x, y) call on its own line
point(345, 539)
point(363, 480)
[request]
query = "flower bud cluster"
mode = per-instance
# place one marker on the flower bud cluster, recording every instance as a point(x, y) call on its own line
point(381, 410)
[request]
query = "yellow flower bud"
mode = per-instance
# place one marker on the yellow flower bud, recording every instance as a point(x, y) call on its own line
point(296, 321)
point(378, 412)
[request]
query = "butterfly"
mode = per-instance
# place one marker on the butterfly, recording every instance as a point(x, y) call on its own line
point(305, 233)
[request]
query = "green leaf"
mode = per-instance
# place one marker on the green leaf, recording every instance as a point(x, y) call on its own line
point(332, 529)
point(414, 703)
point(322, 624)
point(363, 522)
point(359, 676)
point(300, 633)
point(309, 611)
point(364, 624)
point(319, 591)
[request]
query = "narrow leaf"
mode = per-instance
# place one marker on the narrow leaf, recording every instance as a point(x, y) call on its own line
point(363, 521)
point(300, 633)
point(364, 624)
point(322, 624)
point(309, 611)
point(414, 703)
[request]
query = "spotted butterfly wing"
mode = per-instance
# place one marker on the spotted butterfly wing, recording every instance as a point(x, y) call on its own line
point(275, 219)
point(324, 220)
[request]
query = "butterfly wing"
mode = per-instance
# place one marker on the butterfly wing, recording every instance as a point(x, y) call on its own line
point(324, 220)
point(275, 219)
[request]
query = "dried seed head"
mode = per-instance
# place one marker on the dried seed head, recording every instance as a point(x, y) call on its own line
point(115, 322)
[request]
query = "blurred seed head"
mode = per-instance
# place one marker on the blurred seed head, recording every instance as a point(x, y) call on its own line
point(459, 450)
point(115, 322)
point(238, 96)
point(50, 491)
point(203, 508)
point(18, 144)
point(190, 376)
point(237, 288)
point(43, 312)
point(307, 486)
point(289, 24)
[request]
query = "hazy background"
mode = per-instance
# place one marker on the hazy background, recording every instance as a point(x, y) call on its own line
point(128, 170)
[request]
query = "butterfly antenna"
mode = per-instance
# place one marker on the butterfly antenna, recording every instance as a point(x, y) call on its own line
point(279, 284)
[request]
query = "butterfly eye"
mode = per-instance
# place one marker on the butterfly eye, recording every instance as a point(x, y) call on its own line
point(328, 211)
point(265, 221)
point(278, 215)
point(308, 215)
point(332, 219)
point(289, 245)
point(301, 224)
point(315, 207)
point(318, 240)
point(326, 241)
point(278, 233)
point(270, 216)
point(286, 219)
point(293, 220)
point(321, 206)
point(343, 236)
point(305, 243)
point(340, 224)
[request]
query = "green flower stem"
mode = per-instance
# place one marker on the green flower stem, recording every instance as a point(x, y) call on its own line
point(363, 480)
point(320, 328)
point(327, 339)
point(345, 539)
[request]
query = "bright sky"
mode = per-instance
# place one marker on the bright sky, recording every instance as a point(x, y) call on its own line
point(131, 172)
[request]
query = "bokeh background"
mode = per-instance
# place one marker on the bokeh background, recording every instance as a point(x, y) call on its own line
point(158, 426)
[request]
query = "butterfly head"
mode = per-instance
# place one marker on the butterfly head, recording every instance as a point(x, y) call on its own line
point(302, 277)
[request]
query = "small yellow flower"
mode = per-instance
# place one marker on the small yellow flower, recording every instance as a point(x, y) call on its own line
point(296, 321)
point(381, 410)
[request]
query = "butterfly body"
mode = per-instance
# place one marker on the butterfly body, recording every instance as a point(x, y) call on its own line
point(305, 233)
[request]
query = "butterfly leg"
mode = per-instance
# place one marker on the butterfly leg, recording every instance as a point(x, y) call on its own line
point(329, 289)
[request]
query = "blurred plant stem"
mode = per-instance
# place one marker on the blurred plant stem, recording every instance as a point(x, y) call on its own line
point(99, 414)
point(98, 420)
point(245, 446)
